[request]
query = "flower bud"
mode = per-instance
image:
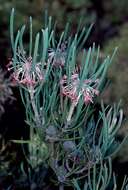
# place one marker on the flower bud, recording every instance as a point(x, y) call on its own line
point(69, 146)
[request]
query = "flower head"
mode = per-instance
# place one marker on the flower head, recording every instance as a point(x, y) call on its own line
point(57, 57)
point(23, 74)
point(71, 88)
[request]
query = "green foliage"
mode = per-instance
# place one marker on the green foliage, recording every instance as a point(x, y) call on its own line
point(100, 180)
point(58, 94)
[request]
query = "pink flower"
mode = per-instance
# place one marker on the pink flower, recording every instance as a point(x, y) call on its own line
point(87, 98)
point(89, 93)
point(23, 74)
point(70, 88)
point(57, 57)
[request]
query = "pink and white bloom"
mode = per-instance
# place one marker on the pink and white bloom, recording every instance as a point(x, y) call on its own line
point(57, 57)
point(71, 88)
point(23, 74)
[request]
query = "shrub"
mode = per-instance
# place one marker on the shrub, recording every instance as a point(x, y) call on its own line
point(59, 94)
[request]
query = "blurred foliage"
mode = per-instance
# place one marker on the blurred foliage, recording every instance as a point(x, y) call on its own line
point(58, 9)
point(61, 10)
point(117, 11)
point(102, 13)
point(71, 11)
point(118, 72)
point(5, 91)
point(118, 75)
point(66, 10)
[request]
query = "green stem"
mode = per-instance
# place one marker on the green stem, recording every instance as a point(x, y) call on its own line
point(37, 118)
point(73, 105)
point(61, 187)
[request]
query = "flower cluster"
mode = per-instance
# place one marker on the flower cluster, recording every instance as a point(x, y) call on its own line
point(71, 88)
point(23, 73)
point(22, 68)
point(57, 58)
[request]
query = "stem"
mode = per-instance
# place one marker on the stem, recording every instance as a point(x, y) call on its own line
point(61, 187)
point(71, 112)
point(52, 149)
point(37, 118)
point(73, 105)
